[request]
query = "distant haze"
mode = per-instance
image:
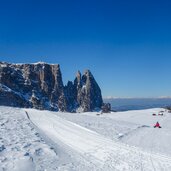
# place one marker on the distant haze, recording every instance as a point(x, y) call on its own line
point(123, 104)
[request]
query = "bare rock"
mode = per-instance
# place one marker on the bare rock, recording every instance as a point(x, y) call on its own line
point(40, 86)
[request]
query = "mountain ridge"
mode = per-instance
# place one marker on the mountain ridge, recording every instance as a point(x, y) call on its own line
point(40, 85)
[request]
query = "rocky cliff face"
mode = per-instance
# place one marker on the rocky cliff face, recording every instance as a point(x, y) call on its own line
point(40, 86)
point(84, 94)
point(88, 91)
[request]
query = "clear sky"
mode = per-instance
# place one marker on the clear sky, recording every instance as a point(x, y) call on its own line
point(125, 43)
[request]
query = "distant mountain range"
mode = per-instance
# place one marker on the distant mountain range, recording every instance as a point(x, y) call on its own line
point(123, 104)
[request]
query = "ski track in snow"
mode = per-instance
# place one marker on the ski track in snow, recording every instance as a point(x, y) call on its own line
point(33, 140)
point(104, 153)
point(22, 148)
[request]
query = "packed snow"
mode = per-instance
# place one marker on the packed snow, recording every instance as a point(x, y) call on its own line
point(33, 140)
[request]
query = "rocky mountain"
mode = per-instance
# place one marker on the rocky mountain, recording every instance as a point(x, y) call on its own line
point(84, 93)
point(40, 86)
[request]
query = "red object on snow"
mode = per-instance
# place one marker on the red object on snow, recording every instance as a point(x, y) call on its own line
point(157, 125)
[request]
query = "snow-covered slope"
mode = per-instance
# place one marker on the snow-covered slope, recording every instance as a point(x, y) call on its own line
point(131, 127)
point(122, 141)
point(22, 148)
point(145, 136)
point(103, 152)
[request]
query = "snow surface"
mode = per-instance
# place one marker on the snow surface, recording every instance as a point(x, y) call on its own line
point(36, 63)
point(5, 88)
point(22, 148)
point(123, 141)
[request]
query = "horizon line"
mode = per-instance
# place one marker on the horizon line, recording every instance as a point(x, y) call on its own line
point(160, 97)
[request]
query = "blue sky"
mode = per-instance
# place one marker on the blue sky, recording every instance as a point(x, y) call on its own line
point(126, 44)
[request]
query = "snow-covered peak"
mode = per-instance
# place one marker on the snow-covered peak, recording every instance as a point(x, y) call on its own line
point(4, 64)
point(43, 63)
